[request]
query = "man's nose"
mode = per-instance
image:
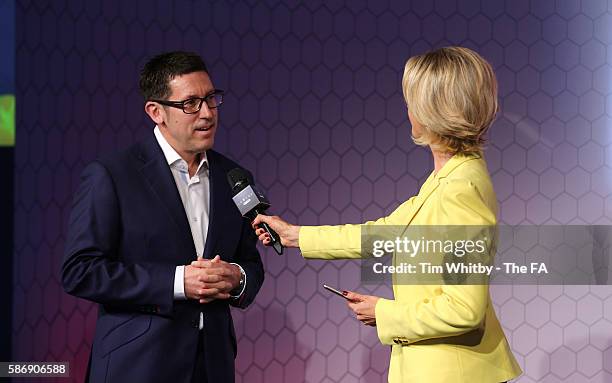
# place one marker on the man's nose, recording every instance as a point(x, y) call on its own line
point(206, 111)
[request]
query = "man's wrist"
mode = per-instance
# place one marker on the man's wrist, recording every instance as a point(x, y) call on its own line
point(239, 289)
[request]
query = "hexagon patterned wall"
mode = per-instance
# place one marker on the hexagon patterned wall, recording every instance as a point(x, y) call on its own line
point(314, 108)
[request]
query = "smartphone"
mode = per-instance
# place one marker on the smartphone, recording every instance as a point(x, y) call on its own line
point(335, 291)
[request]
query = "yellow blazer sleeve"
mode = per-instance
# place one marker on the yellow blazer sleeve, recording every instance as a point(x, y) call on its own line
point(451, 309)
point(343, 241)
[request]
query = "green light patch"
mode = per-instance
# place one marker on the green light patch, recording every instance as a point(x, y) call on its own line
point(7, 120)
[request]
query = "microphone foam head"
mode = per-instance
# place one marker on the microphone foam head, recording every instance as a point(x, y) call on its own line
point(238, 179)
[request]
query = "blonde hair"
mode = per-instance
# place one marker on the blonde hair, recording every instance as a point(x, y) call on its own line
point(452, 93)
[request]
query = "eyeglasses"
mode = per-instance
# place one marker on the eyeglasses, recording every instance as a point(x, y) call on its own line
point(194, 104)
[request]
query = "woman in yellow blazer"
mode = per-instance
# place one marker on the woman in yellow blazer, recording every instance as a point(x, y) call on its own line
point(438, 333)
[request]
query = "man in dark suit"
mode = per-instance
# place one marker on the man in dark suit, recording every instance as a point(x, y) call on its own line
point(156, 240)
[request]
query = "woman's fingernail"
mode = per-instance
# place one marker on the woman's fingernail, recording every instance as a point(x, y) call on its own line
point(344, 292)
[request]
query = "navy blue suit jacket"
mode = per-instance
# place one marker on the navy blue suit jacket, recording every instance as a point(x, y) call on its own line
point(127, 233)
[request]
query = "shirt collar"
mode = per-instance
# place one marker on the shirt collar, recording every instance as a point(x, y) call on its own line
point(170, 154)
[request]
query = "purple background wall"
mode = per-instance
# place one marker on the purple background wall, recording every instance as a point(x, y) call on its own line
point(314, 108)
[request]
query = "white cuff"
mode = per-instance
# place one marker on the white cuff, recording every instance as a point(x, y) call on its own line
point(245, 281)
point(179, 283)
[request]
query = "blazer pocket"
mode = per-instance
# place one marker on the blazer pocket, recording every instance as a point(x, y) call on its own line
point(125, 333)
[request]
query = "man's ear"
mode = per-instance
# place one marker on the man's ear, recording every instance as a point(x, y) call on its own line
point(155, 111)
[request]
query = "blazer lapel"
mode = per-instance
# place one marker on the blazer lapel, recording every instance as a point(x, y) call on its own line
point(433, 181)
point(159, 177)
point(219, 197)
point(428, 187)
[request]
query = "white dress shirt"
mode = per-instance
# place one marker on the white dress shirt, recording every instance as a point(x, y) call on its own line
point(195, 195)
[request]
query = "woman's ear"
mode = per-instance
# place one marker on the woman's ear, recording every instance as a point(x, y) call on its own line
point(155, 111)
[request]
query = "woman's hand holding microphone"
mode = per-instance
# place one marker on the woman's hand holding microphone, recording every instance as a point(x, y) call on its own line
point(289, 234)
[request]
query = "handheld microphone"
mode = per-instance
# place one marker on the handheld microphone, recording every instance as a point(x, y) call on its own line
point(251, 202)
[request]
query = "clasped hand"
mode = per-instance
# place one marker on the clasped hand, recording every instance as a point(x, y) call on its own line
point(207, 280)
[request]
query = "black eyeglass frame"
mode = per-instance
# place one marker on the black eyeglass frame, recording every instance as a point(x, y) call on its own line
point(181, 104)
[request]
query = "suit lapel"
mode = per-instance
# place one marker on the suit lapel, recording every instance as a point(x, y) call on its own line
point(219, 193)
point(433, 181)
point(428, 187)
point(159, 177)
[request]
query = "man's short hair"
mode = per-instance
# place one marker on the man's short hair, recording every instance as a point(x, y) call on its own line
point(161, 69)
point(452, 93)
